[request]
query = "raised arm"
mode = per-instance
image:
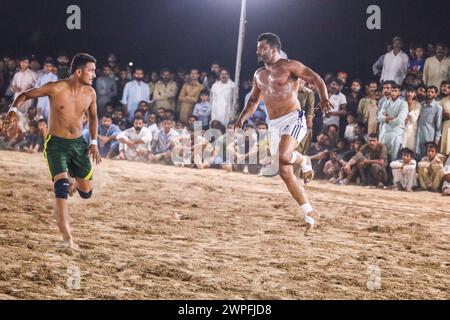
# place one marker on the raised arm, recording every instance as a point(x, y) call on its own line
point(303, 72)
point(46, 90)
point(250, 106)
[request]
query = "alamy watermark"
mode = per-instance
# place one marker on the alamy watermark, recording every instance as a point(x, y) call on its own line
point(374, 20)
point(73, 22)
point(74, 278)
point(374, 277)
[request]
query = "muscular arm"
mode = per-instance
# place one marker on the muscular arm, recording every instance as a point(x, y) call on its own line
point(46, 90)
point(252, 103)
point(92, 115)
point(303, 72)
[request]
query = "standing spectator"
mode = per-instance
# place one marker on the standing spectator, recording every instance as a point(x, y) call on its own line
point(395, 63)
point(338, 101)
point(371, 161)
point(429, 125)
point(63, 66)
point(164, 92)
point(106, 89)
point(350, 128)
point(43, 103)
point(222, 93)
point(134, 92)
point(154, 77)
point(353, 97)
point(431, 169)
point(421, 92)
point(445, 105)
point(409, 137)
point(107, 134)
point(23, 80)
point(135, 142)
point(202, 109)
point(437, 68)
point(364, 104)
point(417, 65)
point(392, 116)
point(378, 65)
point(122, 81)
point(189, 96)
point(404, 171)
point(446, 184)
point(307, 102)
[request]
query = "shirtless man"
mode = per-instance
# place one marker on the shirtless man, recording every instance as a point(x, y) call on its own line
point(277, 83)
point(65, 150)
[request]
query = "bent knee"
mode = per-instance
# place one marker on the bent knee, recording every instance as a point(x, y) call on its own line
point(62, 187)
point(85, 195)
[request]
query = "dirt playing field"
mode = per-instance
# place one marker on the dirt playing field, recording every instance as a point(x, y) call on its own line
point(160, 232)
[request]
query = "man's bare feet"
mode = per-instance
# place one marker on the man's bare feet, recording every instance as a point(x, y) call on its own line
point(311, 221)
point(67, 244)
point(72, 186)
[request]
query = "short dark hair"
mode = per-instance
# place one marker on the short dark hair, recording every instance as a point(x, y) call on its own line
point(433, 88)
point(407, 151)
point(272, 39)
point(431, 145)
point(360, 140)
point(395, 86)
point(204, 92)
point(193, 116)
point(24, 58)
point(33, 124)
point(373, 136)
point(80, 60)
point(440, 44)
point(107, 115)
point(167, 118)
point(388, 82)
point(445, 82)
point(361, 124)
point(42, 120)
point(138, 118)
point(410, 89)
point(262, 123)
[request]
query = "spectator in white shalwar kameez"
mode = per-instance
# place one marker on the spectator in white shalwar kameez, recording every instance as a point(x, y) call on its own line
point(409, 137)
point(43, 103)
point(222, 93)
point(393, 115)
point(404, 171)
point(23, 80)
point(135, 142)
point(446, 184)
point(429, 124)
point(395, 64)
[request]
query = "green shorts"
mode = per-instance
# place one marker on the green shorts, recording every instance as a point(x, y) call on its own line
point(64, 155)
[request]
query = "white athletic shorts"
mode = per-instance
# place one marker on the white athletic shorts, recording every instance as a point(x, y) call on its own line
point(293, 124)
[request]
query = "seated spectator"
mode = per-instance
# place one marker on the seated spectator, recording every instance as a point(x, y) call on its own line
point(107, 135)
point(152, 123)
point(244, 152)
point(43, 130)
point(109, 108)
point(360, 131)
point(371, 160)
point(349, 172)
point(446, 184)
point(164, 141)
point(332, 167)
point(160, 114)
point(33, 140)
point(319, 153)
point(333, 134)
point(350, 128)
point(431, 169)
point(119, 119)
point(194, 151)
point(144, 108)
point(135, 142)
point(202, 109)
point(404, 171)
point(10, 139)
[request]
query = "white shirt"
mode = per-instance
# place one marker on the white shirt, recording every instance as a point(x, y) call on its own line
point(336, 101)
point(222, 101)
point(395, 67)
point(132, 135)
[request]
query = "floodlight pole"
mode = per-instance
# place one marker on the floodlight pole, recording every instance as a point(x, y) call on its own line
point(239, 53)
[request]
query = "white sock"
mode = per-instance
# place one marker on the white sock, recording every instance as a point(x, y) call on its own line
point(305, 166)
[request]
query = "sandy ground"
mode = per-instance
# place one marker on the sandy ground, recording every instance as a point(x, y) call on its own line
point(159, 232)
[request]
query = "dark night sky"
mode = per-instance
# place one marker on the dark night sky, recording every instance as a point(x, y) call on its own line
point(327, 35)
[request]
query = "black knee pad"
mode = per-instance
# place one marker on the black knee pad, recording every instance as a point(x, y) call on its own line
point(85, 195)
point(62, 188)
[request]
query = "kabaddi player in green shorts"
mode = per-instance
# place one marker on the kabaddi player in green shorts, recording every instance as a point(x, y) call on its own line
point(65, 150)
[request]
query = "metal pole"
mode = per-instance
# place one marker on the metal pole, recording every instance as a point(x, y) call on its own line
point(239, 53)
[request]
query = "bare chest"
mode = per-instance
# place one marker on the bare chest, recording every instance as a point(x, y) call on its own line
point(67, 104)
point(277, 82)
